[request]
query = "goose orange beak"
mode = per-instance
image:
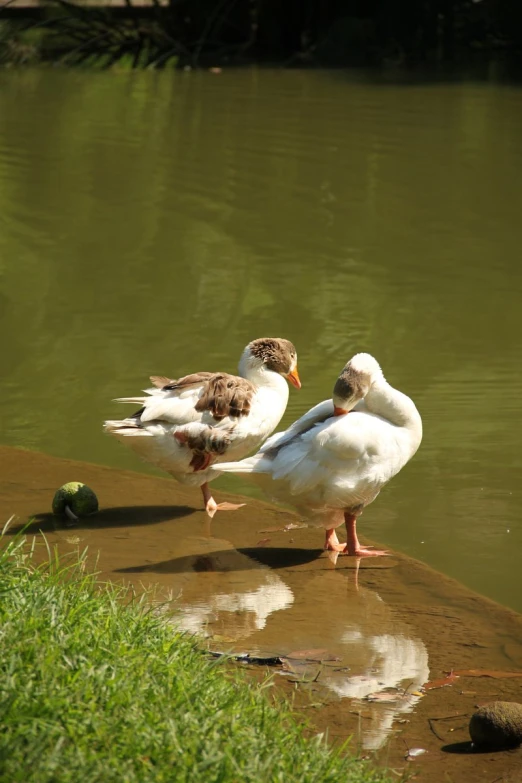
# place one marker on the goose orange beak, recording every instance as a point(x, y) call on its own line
point(339, 411)
point(294, 379)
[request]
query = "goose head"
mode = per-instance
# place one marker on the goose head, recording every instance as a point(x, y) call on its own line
point(354, 382)
point(272, 354)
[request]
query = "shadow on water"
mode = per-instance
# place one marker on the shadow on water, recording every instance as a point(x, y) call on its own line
point(286, 557)
point(459, 747)
point(123, 516)
point(275, 557)
point(467, 748)
point(230, 560)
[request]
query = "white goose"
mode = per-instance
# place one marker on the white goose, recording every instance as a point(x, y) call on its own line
point(185, 425)
point(330, 465)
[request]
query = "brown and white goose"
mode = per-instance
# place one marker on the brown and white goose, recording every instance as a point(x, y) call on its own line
point(184, 426)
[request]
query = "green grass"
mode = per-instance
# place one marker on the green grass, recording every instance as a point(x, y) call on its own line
point(97, 687)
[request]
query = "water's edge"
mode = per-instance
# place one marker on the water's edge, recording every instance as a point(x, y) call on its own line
point(261, 588)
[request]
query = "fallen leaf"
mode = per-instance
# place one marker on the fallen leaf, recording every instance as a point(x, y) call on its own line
point(296, 665)
point(263, 542)
point(313, 655)
point(304, 680)
point(486, 673)
point(272, 660)
point(449, 680)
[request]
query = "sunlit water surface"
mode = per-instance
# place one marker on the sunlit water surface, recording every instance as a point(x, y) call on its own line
point(155, 223)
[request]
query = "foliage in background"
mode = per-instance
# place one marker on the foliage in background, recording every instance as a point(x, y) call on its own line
point(190, 33)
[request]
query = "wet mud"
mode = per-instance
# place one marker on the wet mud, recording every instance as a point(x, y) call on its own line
point(356, 644)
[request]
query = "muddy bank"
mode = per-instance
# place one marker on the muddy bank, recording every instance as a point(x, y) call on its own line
point(252, 582)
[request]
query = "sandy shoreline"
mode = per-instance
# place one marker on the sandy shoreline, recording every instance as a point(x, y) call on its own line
point(253, 586)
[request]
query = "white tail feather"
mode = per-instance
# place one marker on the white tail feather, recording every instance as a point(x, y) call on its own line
point(125, 427)
point(256, 464)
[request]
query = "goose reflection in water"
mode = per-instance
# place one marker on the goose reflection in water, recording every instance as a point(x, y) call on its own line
point(328, 610)
point(377, 649)
point(220, 591)
point(238, 613)
point(395, 661)
point(224, 593)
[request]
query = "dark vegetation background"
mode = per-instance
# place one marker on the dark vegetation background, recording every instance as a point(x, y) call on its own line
point(290, 32)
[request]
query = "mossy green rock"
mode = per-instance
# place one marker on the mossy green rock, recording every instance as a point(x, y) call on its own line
point(79, 497)
point(497, 725)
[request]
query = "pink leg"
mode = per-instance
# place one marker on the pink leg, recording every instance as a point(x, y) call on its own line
point(210, 504)
point(331, 542)
point(353, 547)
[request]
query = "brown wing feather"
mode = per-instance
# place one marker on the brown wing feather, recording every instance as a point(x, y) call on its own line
point(169, 384)
point(159, 381)
point(226, 395)
point(222, 395)
point(205, 445)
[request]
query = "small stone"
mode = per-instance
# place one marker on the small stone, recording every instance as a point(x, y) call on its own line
point(414, 752)
point(77, 497)
point(497, 725)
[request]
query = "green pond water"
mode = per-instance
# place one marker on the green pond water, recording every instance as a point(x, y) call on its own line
point(157, 222)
